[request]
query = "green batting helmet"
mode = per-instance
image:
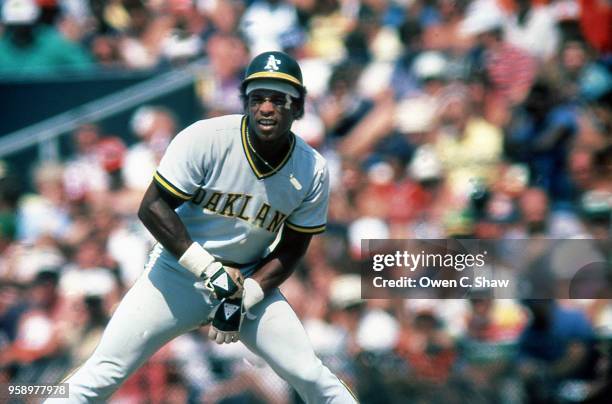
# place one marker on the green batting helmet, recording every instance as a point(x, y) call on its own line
point(276, 66)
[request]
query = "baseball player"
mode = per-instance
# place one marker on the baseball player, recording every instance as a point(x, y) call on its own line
point(233, 205)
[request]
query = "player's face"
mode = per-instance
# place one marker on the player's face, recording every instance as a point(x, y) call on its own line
point(271, 114)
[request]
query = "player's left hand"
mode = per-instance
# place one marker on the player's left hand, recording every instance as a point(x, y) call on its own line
point(225, 327)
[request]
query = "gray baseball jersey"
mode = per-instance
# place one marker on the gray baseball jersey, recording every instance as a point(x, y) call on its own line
point(236, 212)
point(234, 209)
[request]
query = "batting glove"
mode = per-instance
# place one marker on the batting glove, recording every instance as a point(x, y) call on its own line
point(224, 282)
point(225, 327)
point(221, 281)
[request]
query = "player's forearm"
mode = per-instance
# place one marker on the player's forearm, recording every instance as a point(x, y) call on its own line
point(281, 263)
point(276, 271)
point(165, 225)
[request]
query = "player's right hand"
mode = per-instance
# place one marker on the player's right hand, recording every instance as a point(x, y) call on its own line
point(224, 282)
point(225, 327)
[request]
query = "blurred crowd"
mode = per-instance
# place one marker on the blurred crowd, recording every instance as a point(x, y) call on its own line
point(439, 118)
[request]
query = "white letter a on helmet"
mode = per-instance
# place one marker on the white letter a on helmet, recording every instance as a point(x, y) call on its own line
point(272, 63)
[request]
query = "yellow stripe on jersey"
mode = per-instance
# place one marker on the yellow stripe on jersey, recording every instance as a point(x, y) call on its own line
point(309, 230)
point(170, 188)
point(245, 147)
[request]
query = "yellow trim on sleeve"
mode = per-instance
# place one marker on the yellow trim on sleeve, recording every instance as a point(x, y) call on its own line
point(170, 188)
point(309, 230)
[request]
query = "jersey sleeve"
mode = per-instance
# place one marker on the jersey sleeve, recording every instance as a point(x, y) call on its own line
point(181, 169)
point(311, 216)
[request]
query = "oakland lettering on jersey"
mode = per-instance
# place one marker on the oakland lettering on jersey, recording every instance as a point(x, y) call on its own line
point(260, 218)
point(228, 206)
point(213, 201)
point(247, 199)
point(235, 205)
